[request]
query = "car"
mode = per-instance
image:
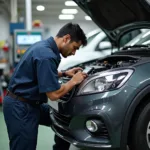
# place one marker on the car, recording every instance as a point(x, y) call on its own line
point(98, 46)
point(110, 109)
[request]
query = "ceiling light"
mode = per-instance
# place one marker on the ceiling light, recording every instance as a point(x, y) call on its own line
point(88, 18)
point(40, 8)
point(66, 17)
point(70, 3)
point(69, 11)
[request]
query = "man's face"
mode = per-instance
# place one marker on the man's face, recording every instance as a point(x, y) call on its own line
point(69, 47)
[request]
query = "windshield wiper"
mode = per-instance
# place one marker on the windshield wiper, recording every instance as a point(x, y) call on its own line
point(135, 46)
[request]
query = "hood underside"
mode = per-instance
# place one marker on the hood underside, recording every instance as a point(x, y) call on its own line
point(116, 17)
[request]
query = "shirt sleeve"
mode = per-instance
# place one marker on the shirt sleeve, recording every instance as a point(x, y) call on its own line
point(47, 75)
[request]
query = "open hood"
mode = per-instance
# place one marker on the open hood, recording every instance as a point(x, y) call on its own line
point(116, 17)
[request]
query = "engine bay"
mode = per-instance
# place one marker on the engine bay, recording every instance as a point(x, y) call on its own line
point(109, 63)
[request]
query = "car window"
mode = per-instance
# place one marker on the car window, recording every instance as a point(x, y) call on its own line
point(144, 39)
point(128, 37)
point(141, 39)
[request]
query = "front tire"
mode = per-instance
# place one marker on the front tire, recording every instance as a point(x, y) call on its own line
point(139, 138)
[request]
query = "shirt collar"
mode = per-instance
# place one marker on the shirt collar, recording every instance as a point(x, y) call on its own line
point(54, 46)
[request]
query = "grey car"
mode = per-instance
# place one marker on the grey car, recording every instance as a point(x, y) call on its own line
point(111, 107)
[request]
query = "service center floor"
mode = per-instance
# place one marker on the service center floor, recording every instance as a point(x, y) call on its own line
point(45, 136)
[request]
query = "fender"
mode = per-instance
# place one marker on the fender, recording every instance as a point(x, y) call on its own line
point(129, 114)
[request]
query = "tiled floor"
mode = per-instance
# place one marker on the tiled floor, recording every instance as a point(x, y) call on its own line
point(45, 136)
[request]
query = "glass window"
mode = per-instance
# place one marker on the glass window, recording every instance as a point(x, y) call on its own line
point(89, 39)
point(144, 40)
point(128, 37)
point(141, 39)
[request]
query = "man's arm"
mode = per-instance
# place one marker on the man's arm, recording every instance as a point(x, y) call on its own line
point(65, 88)
point(60, 74)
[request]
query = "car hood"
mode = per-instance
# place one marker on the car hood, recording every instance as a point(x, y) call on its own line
point(116, 17)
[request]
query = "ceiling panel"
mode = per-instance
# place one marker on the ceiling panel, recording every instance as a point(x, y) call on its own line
point(52, 9)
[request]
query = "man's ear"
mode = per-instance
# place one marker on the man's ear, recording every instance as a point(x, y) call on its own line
point(66, 38)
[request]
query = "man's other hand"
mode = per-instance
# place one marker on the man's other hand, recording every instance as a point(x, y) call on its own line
point(78, 77)
point(72, 72)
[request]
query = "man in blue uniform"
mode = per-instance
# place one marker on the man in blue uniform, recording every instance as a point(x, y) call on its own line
point(35, 78)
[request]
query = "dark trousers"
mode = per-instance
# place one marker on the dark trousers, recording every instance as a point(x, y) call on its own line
point(22, 121)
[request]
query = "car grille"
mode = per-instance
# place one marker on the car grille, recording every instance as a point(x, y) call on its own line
point(69, 95)
point(61, 119)
point(104, 132)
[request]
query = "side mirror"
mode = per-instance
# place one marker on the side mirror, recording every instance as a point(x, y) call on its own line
point(104, 45)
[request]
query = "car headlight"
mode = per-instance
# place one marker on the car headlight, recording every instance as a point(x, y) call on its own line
point(106, 81)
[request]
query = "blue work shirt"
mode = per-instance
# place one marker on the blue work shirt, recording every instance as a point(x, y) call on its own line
point(36, 73)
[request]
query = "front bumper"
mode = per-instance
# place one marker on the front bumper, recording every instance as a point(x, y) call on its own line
point(109, 107)
point(65, 133)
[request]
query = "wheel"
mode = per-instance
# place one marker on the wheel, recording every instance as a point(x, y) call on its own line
point(139, 136)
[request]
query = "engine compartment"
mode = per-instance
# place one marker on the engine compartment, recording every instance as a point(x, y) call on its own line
point(110, 62)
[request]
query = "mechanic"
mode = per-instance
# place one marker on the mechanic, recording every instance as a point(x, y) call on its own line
point(34, 80)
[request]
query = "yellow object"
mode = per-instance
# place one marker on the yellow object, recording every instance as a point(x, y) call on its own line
point(2, 43)
point(23, 51)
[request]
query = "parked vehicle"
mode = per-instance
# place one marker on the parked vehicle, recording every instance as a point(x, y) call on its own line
point(110, 109)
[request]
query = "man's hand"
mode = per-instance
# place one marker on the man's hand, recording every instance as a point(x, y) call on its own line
point(73, 71)
point(65, 88)
point(78, 77)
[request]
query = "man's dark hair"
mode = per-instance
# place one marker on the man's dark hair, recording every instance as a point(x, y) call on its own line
point(74, 31)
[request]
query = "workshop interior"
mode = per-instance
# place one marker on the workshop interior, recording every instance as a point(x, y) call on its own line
point(110, 108)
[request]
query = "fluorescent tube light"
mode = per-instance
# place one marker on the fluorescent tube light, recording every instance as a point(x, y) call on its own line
point(70, 3)
point(66, 17)
point(40, 8)
point(69, 11)
point(88, 18)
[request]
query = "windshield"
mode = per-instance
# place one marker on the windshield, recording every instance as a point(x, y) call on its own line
point(141, 39)
point(91, 35)
point(89, 39)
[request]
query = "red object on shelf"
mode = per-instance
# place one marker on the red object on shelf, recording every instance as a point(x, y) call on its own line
point(4, 93)
point(37, 24)
point(6, 47)
point(1, 100)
